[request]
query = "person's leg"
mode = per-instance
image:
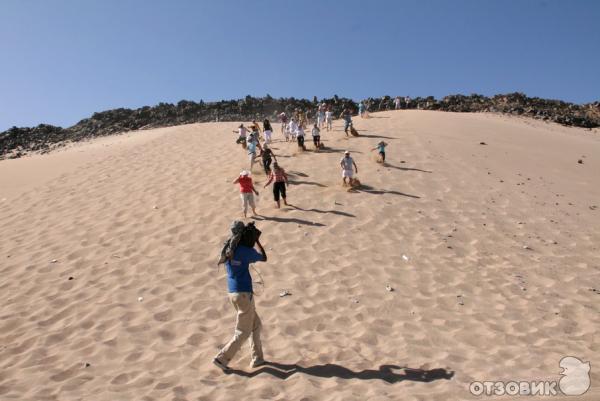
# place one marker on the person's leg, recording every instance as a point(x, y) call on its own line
point(244, 204)
point(276, 194)
point(244, 326)
point(283, 194)
point(383, 157)
point(256, 352)
point(252, 204)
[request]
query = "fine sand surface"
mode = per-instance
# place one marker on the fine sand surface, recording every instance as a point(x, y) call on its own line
point(493, 252)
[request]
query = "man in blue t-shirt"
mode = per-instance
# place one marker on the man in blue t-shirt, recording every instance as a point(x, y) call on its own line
point(248, 325)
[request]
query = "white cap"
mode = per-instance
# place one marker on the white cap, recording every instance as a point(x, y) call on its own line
point(244, 173)
point(347, 152)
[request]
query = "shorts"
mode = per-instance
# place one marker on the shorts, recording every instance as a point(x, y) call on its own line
point(316, 139)
point(278, 189)
point(247, 199)
point(347, 173)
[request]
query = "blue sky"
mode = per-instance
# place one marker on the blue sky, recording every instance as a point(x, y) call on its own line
point(62, 60)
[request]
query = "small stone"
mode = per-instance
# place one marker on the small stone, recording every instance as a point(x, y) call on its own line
point(53, 261)
point(140, 299)
point(154, 207)
point(482, 143)
point(389, 288)
point(580, 161)
point(70, 278)
point(86, 365)
point(405, 258)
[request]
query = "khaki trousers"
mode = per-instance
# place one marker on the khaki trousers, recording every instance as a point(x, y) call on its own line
point(247, 326)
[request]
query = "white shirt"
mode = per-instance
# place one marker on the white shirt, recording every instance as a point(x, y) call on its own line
point(316, 132)
point(347, 163)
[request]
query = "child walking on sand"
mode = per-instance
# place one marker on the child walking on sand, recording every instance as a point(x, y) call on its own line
point(281, 181)
point(247, 192)
point(316, 135)
point(381, 148)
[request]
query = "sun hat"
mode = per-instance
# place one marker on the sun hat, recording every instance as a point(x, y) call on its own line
point(244, 173)
point(347, 152)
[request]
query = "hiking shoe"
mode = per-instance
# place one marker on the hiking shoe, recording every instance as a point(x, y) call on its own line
point(220, 365)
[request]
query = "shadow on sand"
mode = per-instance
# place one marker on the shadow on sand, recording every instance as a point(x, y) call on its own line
point(376, 136)
point(370, 190)
point(317, 184)
point(289, 220)
point(387, 373)
point(323, 211)
point(298, 173)
point(405, 168)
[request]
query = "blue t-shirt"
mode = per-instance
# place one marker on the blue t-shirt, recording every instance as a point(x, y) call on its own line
point(238, 275)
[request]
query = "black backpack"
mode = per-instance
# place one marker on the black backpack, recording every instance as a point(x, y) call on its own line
point(250, 235)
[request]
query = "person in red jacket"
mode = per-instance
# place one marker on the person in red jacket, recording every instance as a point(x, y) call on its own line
point(247, 192)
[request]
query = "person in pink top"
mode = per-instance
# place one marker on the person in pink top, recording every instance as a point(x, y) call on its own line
point(247, 192)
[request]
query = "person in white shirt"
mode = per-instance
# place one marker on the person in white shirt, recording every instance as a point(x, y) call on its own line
point(347, 163)
point(241, 131)
point(293, 128)
point(328, 119)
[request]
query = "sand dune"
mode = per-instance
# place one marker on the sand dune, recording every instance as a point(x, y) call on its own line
point(109, 287)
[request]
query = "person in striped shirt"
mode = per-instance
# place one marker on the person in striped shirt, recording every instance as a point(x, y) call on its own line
point(278, 175)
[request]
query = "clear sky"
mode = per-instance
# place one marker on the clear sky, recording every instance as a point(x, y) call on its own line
point(62, 60)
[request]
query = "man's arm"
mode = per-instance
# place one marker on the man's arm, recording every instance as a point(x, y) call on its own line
point(261, 250)
point(236, 180)
point(355, 168)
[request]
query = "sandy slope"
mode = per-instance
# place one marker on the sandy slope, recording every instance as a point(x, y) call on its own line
point(470, 299)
